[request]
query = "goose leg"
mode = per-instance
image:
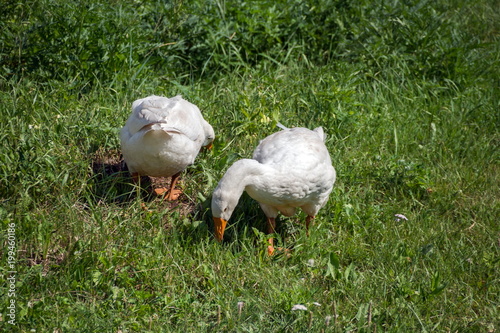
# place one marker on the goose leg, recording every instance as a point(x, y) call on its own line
point(271, 228)
point(135, 177)
point(308, 222)
point(173, 193)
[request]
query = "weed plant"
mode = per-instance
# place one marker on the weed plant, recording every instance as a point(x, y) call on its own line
point(407, 92)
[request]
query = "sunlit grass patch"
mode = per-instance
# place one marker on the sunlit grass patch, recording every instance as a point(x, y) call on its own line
point(407, 94)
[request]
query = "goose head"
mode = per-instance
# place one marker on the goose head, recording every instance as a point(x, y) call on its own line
point(228, 192)
point(209, 135)
point(223, 205)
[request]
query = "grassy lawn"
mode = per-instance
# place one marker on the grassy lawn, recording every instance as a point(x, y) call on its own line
point(408, 93)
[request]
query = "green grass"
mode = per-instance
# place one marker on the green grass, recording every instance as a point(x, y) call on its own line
point(407, 92)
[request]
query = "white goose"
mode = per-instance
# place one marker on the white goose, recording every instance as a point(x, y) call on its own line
point(290, 168)
point(162, 137)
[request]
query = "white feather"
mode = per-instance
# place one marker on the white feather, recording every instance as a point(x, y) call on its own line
point(163, 136)
point(290, 168)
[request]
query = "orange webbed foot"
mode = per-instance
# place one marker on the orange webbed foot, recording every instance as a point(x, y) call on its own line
point(174, 194)
point(160, 191)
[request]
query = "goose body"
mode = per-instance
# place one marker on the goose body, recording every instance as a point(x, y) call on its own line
point(163, 136)
point(290, 169)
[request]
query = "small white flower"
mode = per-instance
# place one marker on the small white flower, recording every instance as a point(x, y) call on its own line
point(240, 307)
point(399, 217)
point(311, 263)
point(299, 307)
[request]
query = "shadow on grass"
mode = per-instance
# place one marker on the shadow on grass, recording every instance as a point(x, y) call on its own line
point(111, 184)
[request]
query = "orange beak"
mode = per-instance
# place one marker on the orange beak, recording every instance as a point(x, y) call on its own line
point(209, 146)
point(219, 226)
